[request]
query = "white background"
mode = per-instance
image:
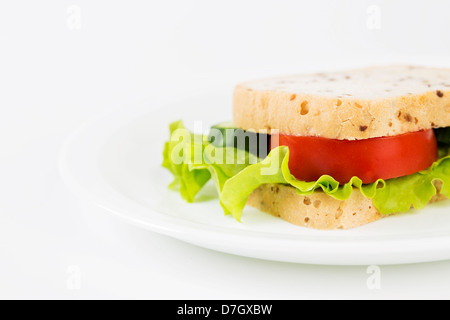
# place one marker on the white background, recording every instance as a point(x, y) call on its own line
point(63, 62)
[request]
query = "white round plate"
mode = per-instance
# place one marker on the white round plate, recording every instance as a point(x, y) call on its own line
point(115, 162)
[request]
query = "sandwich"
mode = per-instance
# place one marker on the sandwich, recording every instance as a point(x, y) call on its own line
point(325, 151)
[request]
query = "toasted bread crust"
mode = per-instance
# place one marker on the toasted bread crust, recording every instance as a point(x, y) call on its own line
point(317, 211)
point(267, 104)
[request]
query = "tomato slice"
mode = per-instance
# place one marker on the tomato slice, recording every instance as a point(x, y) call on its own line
point(370, 159)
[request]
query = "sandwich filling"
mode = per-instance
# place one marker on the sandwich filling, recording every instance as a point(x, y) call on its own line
point(397, 172)
point(368, 159)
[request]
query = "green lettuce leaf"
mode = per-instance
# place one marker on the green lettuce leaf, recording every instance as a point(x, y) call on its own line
point(187, 181)
point(238, 188)
point(193, 161)
point(191, 174)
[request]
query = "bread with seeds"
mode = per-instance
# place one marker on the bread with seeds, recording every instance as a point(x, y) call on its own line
point(357, 104)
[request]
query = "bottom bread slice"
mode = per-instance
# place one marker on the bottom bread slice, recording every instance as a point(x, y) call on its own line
point(318, 211)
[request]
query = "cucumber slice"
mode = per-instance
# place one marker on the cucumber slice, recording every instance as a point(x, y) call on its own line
point(229, 135)
point(225, 125)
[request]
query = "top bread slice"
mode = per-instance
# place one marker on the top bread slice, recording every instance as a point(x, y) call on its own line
point(353, 105)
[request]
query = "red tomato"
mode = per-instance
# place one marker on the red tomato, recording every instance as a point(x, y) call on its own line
point(369, 159)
